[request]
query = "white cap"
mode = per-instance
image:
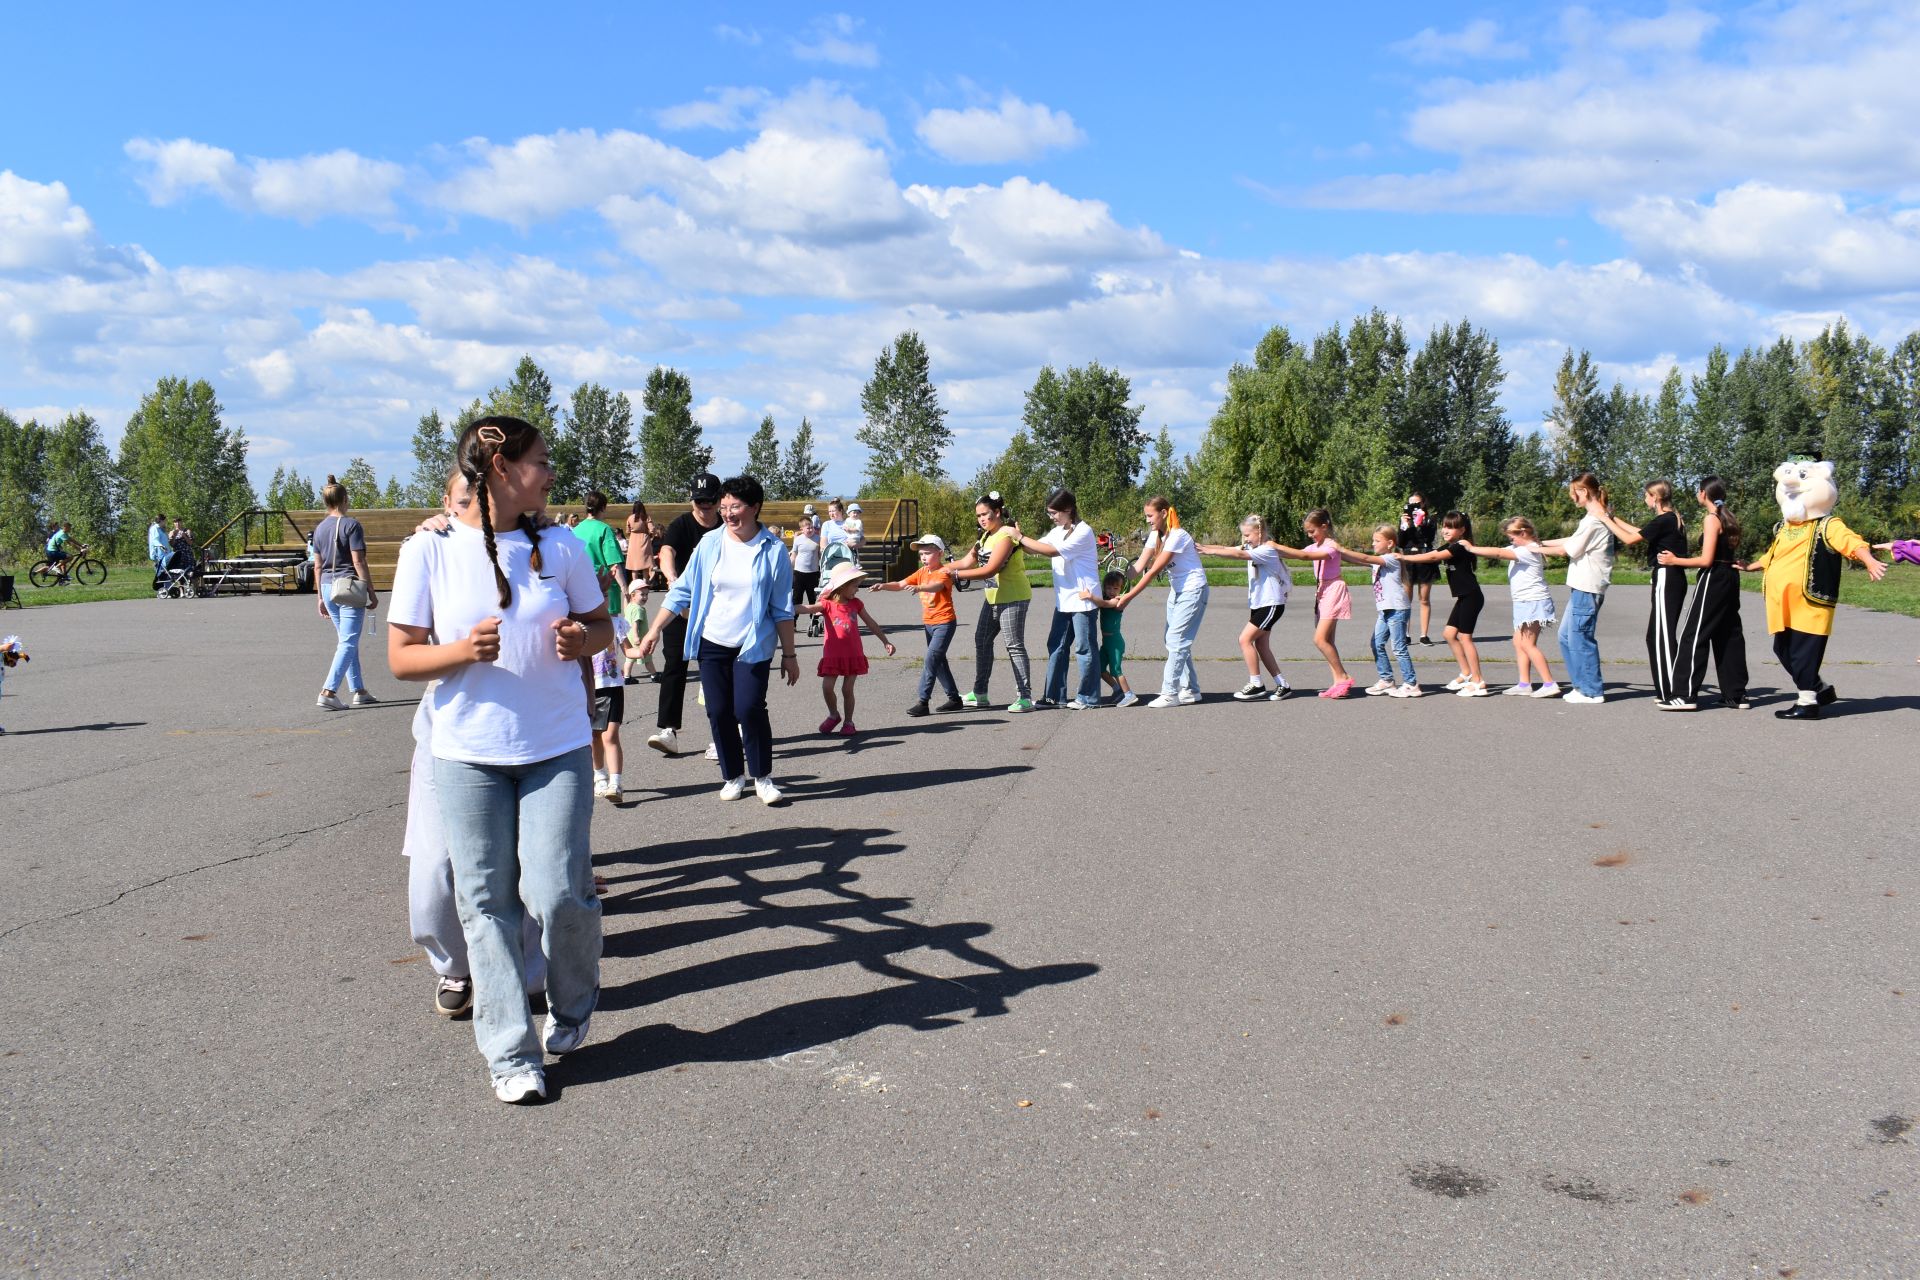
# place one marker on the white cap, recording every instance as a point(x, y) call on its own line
point(933, 540)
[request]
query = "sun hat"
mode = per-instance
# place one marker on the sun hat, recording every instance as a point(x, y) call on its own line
point(931, 540)
point(807, 510)
point(704, 487)
point(842, 574)
point(852, 507)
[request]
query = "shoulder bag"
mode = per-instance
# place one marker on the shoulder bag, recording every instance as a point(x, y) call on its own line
point(346, 590)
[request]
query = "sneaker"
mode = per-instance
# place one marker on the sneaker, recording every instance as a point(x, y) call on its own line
point(1019, 706)
point(1127, 699)
point(768, 793)
point(918, 709)
point(1738, 704)
point(1188, 697)
point(614, 793)
point(1474, 689)
point(952, 704)
point(1425, 640)
point(847, 730)
point(521, 1086)
point(361, 698)
point(1406, 691)
point(1380, 688)
point(452, 996)
point(603, 789)
point(666, 742)
point(1045, 704)
point(327, 702)
point(827, 725)
point(1518, 691)
point(1251, 691)
point(1677, 704)
point(1163, 701)
point(1280, 691)
point(1458, 683)
point(1551, 689)
point(1580, 699)
point(734, 788)
point(701, 698)
point(712, 752)
point(973, 700)
point(557, 1039)
point(1077, 705)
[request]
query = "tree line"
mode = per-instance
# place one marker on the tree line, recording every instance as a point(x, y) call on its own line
point(1353, 421)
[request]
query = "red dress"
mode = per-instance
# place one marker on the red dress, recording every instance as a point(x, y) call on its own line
point(842, 655)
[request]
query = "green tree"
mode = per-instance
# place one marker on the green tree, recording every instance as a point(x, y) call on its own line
point(800, 476)
point(298, 493)
point(1579, 419)
point(23, 477)
point(1088, 433)
point(906, 430)
point(395, 494)
point(1260, 450)
point(177, 456)
point(599, 430)
point(432, 461)
point(1664, 455)
point(363, 486)
point(671, 451)
point(81, 484)
point(1168, 476)
point(763, 455)
point(1457, 439)
point(528, 395)
point(1019, 476)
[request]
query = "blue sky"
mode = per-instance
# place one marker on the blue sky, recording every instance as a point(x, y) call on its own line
point(346, 218)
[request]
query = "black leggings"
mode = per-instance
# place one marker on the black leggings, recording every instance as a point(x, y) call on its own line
point(1712, 624)
point(673, 675)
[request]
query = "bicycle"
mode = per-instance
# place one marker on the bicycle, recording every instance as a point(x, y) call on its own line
point(88, 571)
point(1115, 553)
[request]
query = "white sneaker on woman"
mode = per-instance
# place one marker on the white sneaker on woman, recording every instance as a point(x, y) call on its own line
point(1189, 696)
point(1380, 688)
point(1164, 701)
point(734, 788)
point(1551, 689)
point(768, 793)
point(521, 1086)
point(713, 752)
point(666, 742)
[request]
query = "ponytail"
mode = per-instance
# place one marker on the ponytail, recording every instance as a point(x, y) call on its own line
point(1714, 489)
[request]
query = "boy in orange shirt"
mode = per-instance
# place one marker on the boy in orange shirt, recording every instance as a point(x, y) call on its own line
point(935, 586)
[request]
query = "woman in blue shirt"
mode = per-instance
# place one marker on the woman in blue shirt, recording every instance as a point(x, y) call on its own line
point(736, 594)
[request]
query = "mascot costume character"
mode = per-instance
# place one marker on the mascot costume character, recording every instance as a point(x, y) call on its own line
point(1801, 577)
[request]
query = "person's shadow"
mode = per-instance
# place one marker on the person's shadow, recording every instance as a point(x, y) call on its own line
point(796, 878)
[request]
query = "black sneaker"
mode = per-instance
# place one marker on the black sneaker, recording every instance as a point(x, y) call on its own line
point(952, 704)
point(917, 710)
point(453, 997)
point(1426, 640)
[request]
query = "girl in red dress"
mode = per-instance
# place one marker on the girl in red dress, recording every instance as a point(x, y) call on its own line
point(841, 657)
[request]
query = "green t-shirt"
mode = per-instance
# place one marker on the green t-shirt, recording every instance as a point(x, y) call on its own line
point(1010, 585)
point(603, 550)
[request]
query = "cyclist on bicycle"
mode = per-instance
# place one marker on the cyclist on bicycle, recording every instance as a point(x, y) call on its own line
point(61, 548)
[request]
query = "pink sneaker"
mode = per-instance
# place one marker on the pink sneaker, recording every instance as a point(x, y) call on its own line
point(847, 730)
point(826, 726)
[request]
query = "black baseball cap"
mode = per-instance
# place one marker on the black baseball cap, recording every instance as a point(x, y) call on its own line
point(704, 487)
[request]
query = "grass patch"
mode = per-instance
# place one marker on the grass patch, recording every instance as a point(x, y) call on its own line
point(124, 582)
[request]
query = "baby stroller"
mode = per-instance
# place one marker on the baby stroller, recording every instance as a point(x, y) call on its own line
point(175, 580)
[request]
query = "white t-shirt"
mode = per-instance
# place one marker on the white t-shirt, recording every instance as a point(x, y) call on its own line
point(1076, 567)
point(1187, 572)
point(1527, 574)
point(1590, 556)
point(730, 615)
point(1267, 578)
point(526, 705)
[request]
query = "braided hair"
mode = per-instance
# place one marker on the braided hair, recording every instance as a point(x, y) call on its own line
point(486, 439)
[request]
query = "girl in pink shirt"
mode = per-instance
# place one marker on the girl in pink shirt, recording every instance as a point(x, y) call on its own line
point(1332, 602)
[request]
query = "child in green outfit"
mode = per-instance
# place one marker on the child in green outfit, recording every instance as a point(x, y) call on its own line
point(1113, 645)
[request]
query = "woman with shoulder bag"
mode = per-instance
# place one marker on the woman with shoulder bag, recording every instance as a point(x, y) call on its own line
point(344, 590)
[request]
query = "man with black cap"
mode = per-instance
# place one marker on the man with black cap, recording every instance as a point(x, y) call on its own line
point(674, 554)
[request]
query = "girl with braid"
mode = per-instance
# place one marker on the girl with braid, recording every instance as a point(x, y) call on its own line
point(498, 617)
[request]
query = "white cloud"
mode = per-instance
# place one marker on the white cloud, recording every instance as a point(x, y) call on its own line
point(738, 35)
point(338, 183)
point(1675, 31)
point(43, 231)
point(720, 411)
point(726, 109)
point(544, 175)
point(1478, 40)
point(831, 39)
point(1013, 130)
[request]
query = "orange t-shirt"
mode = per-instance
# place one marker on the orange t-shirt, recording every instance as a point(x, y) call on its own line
point(936, 604)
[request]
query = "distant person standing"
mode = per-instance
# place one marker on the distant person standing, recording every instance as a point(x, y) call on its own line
point(340, 550)
point(675, 552)
point(806, 567)
point(640, 557)
point(159, 548)
point(603, 550)
point(1415, 537)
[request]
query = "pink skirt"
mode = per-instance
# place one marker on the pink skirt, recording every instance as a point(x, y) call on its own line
point(843, 663)
point(1333, 600)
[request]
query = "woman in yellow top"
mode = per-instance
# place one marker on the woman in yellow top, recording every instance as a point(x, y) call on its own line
point(998, 558)
point(1801, 578)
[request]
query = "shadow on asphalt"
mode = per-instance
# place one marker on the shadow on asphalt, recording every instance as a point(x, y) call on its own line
point(753, 880)
point(105, 726)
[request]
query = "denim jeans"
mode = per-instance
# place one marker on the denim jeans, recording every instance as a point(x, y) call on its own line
point(993, 617)
point(1184, 611)
point(939, 640)
point(517, 834)
point(1578, 644)
point(348, 623)
point(1390, 631)
point(737, 710)
point(1080, 634)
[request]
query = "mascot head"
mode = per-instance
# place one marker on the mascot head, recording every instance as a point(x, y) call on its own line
point(1804, 489)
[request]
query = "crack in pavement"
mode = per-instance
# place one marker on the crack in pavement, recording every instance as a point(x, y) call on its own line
point(261, 848)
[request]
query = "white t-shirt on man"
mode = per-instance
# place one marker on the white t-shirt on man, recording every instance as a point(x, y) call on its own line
point(1185, 569)
point(1076, 566)
point(527, 705)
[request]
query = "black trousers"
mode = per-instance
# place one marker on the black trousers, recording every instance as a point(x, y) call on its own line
point(1711, 626)
point(673, 675)
point(1663, 627)
point(1801, 653)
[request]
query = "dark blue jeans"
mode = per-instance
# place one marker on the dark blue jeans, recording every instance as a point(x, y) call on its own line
point(939, 640)
point(737, 710)
point(1079, 632)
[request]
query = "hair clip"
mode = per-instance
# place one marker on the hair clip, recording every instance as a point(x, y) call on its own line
point(492, 435)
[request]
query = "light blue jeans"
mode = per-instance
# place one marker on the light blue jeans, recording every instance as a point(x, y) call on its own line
point(1184, 611)
point(517, 835)
point(348, 623)
point(1078, 634)
point(1578, 644)
point(1390, 631)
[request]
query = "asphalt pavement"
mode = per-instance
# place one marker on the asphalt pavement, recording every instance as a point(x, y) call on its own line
point(1370, 988)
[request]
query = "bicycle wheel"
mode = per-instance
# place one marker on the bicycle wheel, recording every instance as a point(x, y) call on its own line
point(43, 574)
point(91, 573)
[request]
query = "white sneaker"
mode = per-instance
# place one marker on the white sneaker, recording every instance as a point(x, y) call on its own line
point(1380, 688)
point(327, 702)
point(666, 742)
point(1676, 704)
point(1474, 689)
point(1251, 691)
point(768, 793)
point(1406, 691)
point(557, 1039)
point(1583, 699)
point(1188, 697)
point(1517, 691)
point(1163, 701)
point(1458, 683)
point(1551, 689)
point(734, 789)
point(1280, 692)
point(1127, 699)
point(713, 752)
point(603, 789)
point(520, 1086)
point(361, 698)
